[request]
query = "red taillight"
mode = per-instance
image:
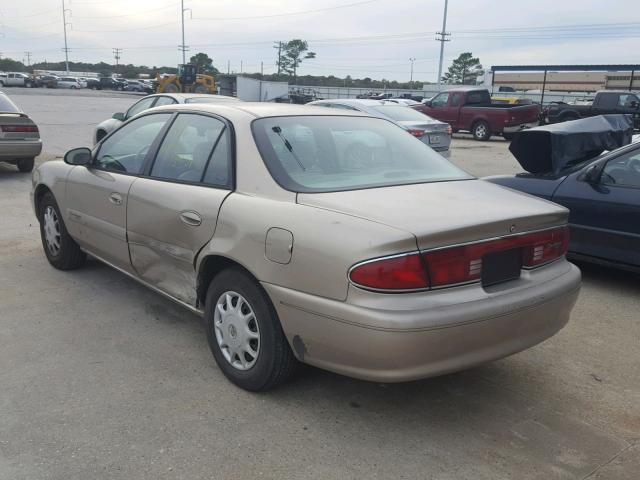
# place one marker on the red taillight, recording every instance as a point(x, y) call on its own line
point(416, 132)
point(405, 272)
point(19, 128)
point(543, 247)
point(457, 265)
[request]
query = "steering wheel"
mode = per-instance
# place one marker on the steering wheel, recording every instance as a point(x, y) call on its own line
point(113, 163)
point(634, 165)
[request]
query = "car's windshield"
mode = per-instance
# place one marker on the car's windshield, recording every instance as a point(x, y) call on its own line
point(333, 153)
point(400, 113)
point(7, 106)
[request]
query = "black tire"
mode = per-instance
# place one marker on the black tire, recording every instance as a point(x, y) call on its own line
point(508, 136)
point(25, 165)
point(481, 131)
point(69, 256)
point(275, 361)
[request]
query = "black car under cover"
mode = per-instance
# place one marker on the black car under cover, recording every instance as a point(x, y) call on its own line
point(551, 148)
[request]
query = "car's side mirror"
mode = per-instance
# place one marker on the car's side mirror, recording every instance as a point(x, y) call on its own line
point(592, 175)
point(78, 156)
point(428, 103)
point(119, 116)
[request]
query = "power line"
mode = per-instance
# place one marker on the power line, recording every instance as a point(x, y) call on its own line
point(303, 12)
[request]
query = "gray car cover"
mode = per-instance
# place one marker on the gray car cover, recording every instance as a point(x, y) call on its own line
point(550, 148)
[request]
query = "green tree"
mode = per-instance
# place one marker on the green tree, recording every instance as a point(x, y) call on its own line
point(293, 52)
point(204, 64)
point(464, 70)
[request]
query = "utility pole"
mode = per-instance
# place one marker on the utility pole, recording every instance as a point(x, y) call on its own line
point(28, 54)
point(240, 66)
point(64, 26)
point(116, 54)
point(184, 48)
point(443, 38)
point(261, 70)
point(279, 47)
point(228, 67)
point(411, 77)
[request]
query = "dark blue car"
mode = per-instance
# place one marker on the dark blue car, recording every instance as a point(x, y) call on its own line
point(602, 193)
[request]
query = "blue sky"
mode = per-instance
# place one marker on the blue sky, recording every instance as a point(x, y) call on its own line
point(374, 38)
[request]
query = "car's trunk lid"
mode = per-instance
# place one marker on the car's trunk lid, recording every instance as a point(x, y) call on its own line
point(445, 213)
point(17, 126)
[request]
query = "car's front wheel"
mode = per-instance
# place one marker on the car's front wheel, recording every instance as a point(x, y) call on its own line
point(244, 332)
point(61, 250)
point(25, 165)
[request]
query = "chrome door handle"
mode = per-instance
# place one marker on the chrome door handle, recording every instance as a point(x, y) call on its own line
point(115, 198)
point(191, 218)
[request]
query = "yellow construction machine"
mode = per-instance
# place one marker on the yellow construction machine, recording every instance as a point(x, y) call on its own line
point(186, 81)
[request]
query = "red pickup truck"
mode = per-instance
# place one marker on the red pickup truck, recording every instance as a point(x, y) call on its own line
point(470, 109)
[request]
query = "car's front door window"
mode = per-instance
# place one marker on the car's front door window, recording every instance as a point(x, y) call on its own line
point(440, 100)
point(142, 105)
point(126, 149)
point(623, 171)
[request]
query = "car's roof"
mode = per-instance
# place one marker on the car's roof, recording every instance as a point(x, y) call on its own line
point(352, 101)
point(184, 96)
point(260, 109)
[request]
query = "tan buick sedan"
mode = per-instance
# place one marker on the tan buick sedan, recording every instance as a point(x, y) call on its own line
point(303, 234)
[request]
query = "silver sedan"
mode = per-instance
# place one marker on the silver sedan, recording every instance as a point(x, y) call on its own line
point(157, 100)
point(19, 136)
point(433, 132)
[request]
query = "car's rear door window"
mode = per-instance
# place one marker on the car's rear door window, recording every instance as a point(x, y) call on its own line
point(333, 153)
point(187, 148)
point(140, 106)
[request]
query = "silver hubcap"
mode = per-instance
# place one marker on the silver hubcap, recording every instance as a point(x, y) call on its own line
point(481, 131)
point(237, 330)
point(52, 230)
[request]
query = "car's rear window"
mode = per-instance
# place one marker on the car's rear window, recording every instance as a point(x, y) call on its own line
point(334, 153)
point(7, 106)
point(400, 113)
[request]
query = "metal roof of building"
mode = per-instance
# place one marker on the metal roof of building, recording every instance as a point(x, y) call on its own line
point(565, 68)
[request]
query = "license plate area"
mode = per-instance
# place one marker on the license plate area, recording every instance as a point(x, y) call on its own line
point(434, 139)
point(498, 267)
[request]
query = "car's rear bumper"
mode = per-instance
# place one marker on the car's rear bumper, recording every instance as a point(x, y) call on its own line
point(15, 149)
point(520, 126)
point(392, 339)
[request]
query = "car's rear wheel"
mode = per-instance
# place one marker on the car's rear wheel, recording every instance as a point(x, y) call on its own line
point(61, 250)
point(25, 165)
point(244, 332)
point(481, 131)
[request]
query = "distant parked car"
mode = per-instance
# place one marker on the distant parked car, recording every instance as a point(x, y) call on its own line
point(433, 132)
point(69, 82)
point(16, 79)
point(47, 81)
point(83, 82)
point(94, 84)
point(158, 100)
point(19, 136)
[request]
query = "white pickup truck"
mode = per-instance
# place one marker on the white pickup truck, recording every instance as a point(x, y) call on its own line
point(15, 79)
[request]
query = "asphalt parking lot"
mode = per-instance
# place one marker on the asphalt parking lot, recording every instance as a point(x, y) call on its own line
point(102, 378)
